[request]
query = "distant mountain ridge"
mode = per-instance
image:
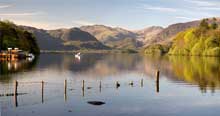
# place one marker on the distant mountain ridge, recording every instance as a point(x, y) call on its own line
point(65, 39)
point(149, 33)
point(104, 37)
point(113, 37)
point(167, 34)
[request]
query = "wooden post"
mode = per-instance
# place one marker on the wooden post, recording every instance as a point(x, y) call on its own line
point(83, 87)
point(83, 84)
point(142, 82)
point(16, 88)
point(65, 90)
point(158, 81)
point(131, 83)
point(157, 75)
point(16, 93)
point(100, 86)
point(117, 85)
point(42, 91)
point(65, 86)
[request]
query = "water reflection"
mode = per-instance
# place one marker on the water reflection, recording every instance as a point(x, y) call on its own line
point(8, 68)
point(201, 71)
point(129, 84)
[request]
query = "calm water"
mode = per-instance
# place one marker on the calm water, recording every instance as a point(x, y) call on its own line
point(187, 86)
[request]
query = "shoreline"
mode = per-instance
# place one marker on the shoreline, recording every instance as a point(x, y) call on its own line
point(85, 51)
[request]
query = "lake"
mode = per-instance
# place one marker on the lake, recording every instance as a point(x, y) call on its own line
point(186, 86)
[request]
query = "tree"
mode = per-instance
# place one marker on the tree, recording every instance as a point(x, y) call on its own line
point(204, 24)
point(214, 19)
point(214, 25)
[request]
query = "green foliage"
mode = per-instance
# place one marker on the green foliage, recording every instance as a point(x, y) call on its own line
point(129, 51)
point(197, 41)
point(198, 48)
point(157, 49)
point(14, 37)
point(202, 71)
point(214, 25)
point(204, 24)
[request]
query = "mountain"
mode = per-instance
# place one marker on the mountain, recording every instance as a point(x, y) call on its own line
point(65, 39)
point(113, 37)
point(167, 34)
point(104, 37)
point(147, 34)
point(12, 36)
point(202, 40)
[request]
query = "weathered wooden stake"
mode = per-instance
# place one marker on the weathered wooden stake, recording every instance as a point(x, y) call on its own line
point(100, 86)
point(83, 84)
point(158, 81)
point(117, 85)
point(65, 86)
point(83, 88)
point(16, 88)
point(65, 90)
point(16, 93)
point(131, 83)
point(142, 82)
point(42, 91)
point(157, 75)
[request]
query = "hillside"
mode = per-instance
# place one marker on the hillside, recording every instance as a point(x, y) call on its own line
point(146, 35)
point(113, 37)
point(13, 36)
point(65, 39)
point(167, 34)
point(203, 40)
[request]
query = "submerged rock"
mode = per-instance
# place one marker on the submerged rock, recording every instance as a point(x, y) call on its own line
point(11, 94)
point(89, 87)
point(97, 103)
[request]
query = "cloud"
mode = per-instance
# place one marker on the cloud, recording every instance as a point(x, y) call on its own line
point(202, 3)
point(186, 18)
point(21, 14)
point(211, 8)
point(82, 23)
point(205, 5)
point(159, 8)
point(41, 24)
point(182, 17)
point(5, 6)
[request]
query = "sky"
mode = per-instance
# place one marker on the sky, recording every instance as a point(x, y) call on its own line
point(128, 14)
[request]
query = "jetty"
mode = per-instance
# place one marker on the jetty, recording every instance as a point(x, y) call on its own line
point(14, 54)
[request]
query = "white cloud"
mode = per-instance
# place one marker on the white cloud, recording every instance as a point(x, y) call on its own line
point(82, 23)
point(203, 3)
point(183, 17)
point(159, 8)
point(40, 24)
point(5, 6)
point(211, 8)
point(21, 14)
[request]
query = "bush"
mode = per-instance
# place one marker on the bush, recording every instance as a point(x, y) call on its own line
point(157, 49)
point(195, 42)
point(15, 37)
point(197, 49)
point(213, 52)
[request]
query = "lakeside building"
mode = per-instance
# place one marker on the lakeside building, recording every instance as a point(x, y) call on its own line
point(13, 54)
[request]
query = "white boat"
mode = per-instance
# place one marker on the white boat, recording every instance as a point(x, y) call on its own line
point(30, 57)
point(78, 55)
